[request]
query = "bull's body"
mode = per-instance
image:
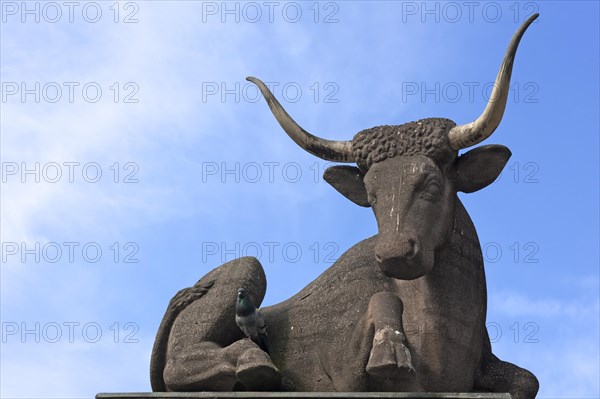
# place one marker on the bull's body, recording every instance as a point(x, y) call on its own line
point(321, 339)
point(444, 320)
point(404, 310)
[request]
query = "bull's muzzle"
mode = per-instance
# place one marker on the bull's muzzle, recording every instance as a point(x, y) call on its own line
point(402, 258)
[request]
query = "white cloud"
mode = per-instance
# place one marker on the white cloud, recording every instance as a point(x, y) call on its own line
point(516, 304)
point(556, 339)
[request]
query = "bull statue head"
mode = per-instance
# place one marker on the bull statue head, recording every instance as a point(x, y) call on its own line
point(409, 174)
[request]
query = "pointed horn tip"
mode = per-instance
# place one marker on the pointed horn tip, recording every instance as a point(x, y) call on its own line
point(457, 142)
point(530, 20)
point(252, 79)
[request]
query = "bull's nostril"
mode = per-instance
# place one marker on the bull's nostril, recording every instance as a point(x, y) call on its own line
point(378, 258)
point(411, 248)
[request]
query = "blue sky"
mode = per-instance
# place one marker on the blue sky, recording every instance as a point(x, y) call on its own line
point(156, 161)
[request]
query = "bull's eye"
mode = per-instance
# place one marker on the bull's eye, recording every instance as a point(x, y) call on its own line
point(432, 191)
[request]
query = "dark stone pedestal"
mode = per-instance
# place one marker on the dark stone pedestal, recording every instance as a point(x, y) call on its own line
point(301, 395)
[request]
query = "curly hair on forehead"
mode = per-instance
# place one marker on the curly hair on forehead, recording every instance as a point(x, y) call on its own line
point(427, 137)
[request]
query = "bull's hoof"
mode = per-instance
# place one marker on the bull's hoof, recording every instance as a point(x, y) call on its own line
point(256, 372)
point(390, 358)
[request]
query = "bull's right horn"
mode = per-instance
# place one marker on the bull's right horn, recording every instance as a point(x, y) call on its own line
point(336, 151)
point(464, 136)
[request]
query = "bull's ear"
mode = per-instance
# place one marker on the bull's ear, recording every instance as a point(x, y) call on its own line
point(479, 167)
point(348, 180)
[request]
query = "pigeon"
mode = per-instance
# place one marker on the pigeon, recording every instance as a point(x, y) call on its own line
point(250, 321)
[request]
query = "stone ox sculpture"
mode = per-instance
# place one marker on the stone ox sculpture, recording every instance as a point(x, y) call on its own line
point(404, 310)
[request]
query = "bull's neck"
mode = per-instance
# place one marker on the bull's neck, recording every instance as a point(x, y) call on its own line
point(463, 246)
point(459, 264)
point(460, 260)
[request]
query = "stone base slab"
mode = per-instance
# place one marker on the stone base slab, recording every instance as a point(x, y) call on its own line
point(301, 395)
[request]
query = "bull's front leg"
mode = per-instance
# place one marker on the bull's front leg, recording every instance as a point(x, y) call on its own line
point(390, 365)
point(376, 356)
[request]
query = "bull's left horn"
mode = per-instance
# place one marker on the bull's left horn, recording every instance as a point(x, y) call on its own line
point(336, 151)
point(464, 136)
